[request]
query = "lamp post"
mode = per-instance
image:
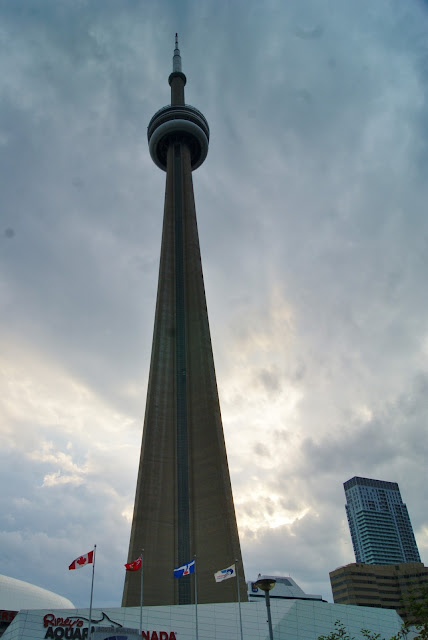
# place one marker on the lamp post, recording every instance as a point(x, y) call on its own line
point(266, 584)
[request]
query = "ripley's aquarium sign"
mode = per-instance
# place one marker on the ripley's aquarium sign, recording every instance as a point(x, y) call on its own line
point(76, 628)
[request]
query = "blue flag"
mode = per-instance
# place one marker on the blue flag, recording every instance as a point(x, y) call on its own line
point(185, 570)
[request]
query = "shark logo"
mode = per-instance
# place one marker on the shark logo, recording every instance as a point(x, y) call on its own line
point(73, 627)
point(104, 616)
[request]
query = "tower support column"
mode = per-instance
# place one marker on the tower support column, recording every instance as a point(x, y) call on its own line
point(183, 502)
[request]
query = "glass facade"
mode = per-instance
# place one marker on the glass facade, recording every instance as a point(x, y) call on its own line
point(379, 523)
point(291, 620)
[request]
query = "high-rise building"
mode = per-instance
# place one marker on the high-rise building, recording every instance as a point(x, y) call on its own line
point(183, 503)
point(380, 526)
point(386, 586)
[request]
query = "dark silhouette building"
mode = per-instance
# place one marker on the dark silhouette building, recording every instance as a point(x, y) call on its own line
point(183, 503)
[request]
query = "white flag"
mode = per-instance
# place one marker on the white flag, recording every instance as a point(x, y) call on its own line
point(225, 574)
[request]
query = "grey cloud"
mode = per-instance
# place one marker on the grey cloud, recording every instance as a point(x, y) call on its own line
point(270, 379)
point(261, 449)
point(312, 199)
point(307, 33)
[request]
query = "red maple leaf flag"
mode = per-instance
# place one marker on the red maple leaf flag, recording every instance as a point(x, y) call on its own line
point(88, 558)
point(135, 565)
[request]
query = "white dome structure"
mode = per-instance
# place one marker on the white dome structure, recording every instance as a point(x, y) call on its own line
point(17, 594)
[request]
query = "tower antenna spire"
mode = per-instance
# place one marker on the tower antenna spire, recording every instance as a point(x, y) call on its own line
point(176, 60)
point(177, 79)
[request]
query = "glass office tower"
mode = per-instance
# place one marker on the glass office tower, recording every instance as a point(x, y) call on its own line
point(380, 526)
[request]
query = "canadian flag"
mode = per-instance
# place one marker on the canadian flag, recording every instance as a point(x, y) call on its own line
point(82, 560)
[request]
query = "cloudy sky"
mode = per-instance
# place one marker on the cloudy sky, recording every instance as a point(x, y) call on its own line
point(312, 210)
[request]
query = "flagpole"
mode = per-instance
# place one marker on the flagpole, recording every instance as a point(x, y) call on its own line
point(92, 592)
point(239, 597)
point(141, 595)
point(196, 601)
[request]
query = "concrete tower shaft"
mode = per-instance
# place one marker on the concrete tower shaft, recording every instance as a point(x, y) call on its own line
point(183, 502)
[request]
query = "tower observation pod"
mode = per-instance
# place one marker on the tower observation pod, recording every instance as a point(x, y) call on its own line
point(183, 503)
point(178, 122)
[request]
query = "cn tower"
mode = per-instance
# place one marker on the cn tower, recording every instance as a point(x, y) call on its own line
point(183, 502)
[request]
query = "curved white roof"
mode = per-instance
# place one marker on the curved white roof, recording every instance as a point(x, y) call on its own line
point(17, 594)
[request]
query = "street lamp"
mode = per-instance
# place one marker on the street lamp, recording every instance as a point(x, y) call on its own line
point(266, 585)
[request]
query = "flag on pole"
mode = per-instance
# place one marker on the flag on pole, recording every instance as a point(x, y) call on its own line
point(225, 574)
point(185, 570)
point(134, 566)
point(88, 558)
